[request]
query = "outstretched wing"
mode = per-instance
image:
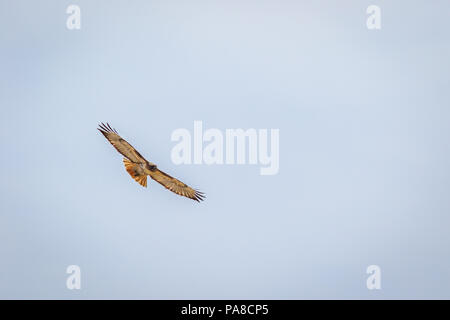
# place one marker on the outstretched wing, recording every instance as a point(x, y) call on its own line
point(176, 186)
point(120, 144)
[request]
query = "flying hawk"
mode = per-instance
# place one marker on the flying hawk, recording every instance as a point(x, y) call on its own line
point(139, 168)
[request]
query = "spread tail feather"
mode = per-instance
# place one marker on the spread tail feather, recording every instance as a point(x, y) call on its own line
point(136, 172)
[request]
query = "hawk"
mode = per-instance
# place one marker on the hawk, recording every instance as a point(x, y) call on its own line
point(139, 168)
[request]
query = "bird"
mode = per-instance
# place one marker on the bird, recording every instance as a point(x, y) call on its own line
point(139, 168)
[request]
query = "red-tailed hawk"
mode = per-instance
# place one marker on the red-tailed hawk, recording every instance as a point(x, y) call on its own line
point(139, 168)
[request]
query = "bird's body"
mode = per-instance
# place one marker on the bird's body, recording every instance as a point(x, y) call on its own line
point(139, 168)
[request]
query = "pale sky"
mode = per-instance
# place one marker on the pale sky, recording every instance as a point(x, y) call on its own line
point(364, 157)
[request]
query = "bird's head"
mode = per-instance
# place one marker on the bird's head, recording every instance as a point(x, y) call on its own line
point(150, 166)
